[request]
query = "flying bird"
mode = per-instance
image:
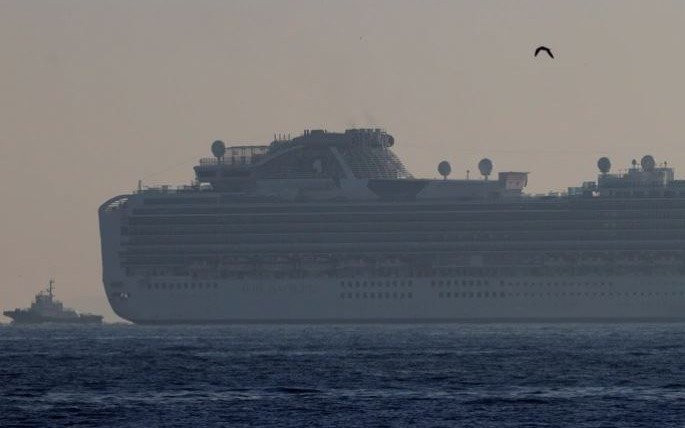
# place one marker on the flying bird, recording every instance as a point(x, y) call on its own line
point(544, 49)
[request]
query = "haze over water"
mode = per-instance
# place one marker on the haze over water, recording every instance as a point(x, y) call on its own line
point(97, 95)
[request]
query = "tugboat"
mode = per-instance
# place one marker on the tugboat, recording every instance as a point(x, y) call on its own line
point(47, 309)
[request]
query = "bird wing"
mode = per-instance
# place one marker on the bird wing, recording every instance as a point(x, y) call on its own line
point(545, 49)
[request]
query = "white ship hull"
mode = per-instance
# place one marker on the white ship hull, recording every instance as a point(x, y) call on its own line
point(159, 298)
point(145, 301)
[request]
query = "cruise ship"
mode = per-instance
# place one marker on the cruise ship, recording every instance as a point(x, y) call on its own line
point(331, 227)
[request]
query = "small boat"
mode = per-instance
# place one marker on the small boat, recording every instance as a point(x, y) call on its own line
point(47, 309)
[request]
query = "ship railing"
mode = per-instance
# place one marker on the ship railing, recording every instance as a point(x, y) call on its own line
point(115, 203)
point(631, 185)
point(236, 157)
point(229, 162)
point(164, 189)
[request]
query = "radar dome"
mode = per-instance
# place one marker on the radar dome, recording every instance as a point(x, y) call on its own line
point(444, 168)
point(604, 165)
point(485, 167)
point(647, 163)
point(218, 149)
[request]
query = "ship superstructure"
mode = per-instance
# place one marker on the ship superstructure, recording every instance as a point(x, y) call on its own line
point(331, 227)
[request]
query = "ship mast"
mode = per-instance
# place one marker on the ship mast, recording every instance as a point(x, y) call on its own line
point(50, 287)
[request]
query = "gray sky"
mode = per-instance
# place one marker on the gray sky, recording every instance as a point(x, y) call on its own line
point(95, 95)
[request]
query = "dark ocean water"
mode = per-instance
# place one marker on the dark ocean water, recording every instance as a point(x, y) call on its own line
point(497, 375)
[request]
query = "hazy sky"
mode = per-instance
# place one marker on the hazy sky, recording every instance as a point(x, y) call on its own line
point(95, 95)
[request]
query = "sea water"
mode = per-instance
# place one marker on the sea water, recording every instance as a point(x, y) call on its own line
point(490, 375)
